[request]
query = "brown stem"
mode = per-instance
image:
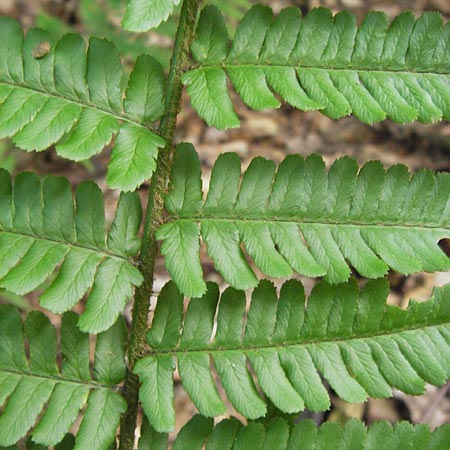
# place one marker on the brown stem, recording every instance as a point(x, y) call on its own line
point(155, 208)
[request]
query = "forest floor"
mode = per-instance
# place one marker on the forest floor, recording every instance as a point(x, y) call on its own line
point(276, 134)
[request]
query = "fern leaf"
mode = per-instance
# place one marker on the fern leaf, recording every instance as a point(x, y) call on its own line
point(27, 384)
point(359, 344)
point(41, 228)
point(67, 443)
point(322, 62)
point(73, 98)
point(143, 15)
point(278, 434)
point(301, 217)
point(150, 439)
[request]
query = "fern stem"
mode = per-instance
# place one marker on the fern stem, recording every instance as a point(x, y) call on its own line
point(154, 215)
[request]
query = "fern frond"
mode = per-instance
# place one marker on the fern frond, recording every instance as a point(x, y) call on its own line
point(321, 62)
point(73, 98)
point(67, 443)
point(41, 228)
point(27, 384)
point(100, 18)
point(359, 344)
point(278, 434)
point(301, 217)
point(143, 15)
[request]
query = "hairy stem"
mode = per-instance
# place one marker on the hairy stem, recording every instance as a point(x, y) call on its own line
point(155, 206)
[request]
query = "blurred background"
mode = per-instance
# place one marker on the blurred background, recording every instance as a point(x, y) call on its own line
point(273, 134)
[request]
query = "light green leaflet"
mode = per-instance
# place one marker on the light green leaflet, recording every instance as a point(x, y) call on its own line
point(360, 345)
point(323, 62)
point(143, 15)
point(35, 385)
point(41, 228)
point(300, 217)
point(278, 434)
point(74, 98)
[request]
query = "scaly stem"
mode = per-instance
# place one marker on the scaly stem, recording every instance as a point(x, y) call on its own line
point(155, 206)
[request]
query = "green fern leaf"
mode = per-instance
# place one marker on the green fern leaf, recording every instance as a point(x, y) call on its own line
point(67, 443)
point(325, 63)
point(26, 385)
point(40, 228)
point(150, 439)
point(74, 99)
point(278, 434)
point(301, 217)
point(359, 344)
point(143, 15)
